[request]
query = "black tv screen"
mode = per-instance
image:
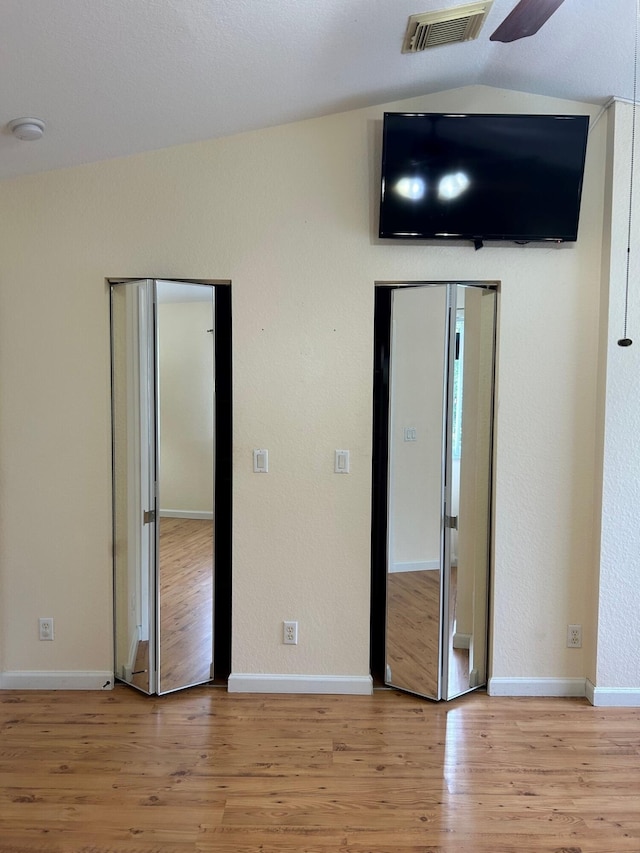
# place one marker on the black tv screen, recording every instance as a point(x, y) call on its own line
point(482, 177)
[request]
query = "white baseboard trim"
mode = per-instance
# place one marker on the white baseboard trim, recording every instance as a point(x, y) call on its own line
point(62, 680)
point(537, 687)
point(462, 641)
point(186, 513)
point(613, 697)
point(416, 566)
point(249, 682)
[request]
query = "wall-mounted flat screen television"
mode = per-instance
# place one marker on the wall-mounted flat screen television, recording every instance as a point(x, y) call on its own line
point(482, 177)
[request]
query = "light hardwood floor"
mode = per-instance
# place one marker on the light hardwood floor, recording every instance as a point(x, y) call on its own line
point(205, 770)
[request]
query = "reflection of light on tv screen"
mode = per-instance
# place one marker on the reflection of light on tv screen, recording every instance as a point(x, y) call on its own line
point(411, 188)
point(452, 186)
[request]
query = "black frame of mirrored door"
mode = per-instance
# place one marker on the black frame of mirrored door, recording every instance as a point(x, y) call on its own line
point(380, 480)
point(223, 483)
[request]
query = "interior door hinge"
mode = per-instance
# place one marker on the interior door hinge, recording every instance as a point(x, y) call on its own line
point(451, 521)
point(149, 516)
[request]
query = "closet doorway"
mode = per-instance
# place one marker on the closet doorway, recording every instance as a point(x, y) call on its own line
point(432, 485)
point(171, 428)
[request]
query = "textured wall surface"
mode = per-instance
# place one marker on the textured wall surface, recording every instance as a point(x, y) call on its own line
point(618, 662)
point(288, 214)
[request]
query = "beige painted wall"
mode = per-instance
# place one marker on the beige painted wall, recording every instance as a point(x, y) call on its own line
point(288, 214)
point(616, 594)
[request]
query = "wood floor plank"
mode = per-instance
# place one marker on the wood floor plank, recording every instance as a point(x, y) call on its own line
point(205, 770)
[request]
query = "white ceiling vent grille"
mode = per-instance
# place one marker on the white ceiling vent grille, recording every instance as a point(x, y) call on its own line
point(447, 26)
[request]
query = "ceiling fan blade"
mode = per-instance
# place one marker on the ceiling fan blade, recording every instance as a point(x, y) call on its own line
point(525, 19)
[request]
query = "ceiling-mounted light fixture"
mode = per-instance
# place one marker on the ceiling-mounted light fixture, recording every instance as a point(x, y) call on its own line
point(27, 129)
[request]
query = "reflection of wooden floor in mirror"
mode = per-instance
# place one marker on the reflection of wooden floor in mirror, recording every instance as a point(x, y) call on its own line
point(413, 626)
point(458, 658)
point(186, 602)
point(140, 677)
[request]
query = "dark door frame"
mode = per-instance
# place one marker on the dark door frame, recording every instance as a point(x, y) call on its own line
point(223, 485)
point(379, 473)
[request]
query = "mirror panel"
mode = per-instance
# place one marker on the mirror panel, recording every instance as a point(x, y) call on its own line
point(185, 347)
point(470, 461)
point(163, 423)
point(414, 540)
point(441, 378)
point(133, 429)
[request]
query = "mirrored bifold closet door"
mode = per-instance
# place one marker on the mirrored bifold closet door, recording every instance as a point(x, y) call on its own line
point(441, 381)
point(163, 350)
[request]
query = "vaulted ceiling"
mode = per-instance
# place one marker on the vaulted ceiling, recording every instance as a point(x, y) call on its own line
point(115, 77)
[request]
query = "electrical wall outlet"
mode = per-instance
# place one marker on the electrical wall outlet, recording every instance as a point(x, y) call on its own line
point(45, 627)
point(290, 633)
point(574, 636)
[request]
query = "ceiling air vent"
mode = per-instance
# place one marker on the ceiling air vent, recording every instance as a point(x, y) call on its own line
point(447, 26)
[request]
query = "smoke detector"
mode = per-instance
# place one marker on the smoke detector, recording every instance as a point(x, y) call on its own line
point(27, 129)
point(431, 29)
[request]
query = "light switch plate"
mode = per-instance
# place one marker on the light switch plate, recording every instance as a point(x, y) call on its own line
point(261, 461)
point(341, 462)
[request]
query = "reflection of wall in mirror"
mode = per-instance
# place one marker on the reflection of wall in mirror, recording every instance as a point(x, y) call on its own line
point(186, 380)
point(417, 365)
point(127, 475)
point(475, 472)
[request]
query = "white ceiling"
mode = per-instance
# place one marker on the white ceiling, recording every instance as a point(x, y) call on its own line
point(115, 77)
